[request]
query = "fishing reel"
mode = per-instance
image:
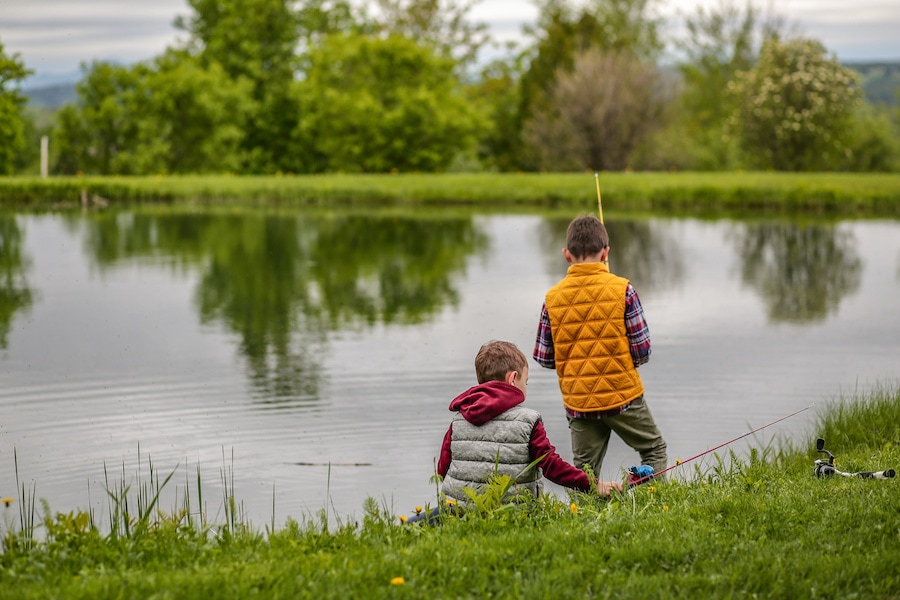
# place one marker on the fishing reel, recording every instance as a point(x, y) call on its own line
point(825, 467)
point(640, 475)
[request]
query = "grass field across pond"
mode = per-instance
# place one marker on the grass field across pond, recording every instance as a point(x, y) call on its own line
point(741, 192)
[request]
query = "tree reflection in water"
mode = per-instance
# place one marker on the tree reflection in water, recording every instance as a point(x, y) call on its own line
point(15, 295)
point(283, 281)
point(802, 271)
point(647, 256)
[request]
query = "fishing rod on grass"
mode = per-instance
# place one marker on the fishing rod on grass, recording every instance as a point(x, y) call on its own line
point(825, 467)
point(644, 473)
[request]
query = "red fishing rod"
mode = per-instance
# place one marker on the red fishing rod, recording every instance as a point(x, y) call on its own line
point(639, 475)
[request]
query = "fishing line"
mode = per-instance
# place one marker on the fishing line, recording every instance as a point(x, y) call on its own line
point(634, 480)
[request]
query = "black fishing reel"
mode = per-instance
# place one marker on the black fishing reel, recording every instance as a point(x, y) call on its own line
point(826, 468)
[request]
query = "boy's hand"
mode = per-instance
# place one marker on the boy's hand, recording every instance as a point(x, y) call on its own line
point(605, 488)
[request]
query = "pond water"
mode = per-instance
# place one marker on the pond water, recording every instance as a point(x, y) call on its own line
point(308, 359)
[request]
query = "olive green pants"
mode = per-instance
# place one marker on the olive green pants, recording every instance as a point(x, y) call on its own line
point(636, 427)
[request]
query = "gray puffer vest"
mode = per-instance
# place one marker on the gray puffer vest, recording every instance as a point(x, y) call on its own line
point(499, 445)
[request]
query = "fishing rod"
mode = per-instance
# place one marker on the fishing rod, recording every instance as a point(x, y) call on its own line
point(825, 467)
point(599, 201)
point(644, 473)
point(600, 206)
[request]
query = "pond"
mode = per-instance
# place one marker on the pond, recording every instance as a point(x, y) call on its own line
point(306, 360)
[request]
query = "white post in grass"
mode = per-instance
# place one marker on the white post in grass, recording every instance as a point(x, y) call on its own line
point(45, 145)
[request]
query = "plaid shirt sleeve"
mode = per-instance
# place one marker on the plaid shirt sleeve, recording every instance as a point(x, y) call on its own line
point(636, 328)
point(543, 345)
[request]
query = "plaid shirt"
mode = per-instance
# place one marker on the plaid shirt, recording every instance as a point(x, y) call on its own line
point(638, 343)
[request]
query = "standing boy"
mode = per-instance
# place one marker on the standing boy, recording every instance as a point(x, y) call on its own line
point(492, 432)
point(593, 332)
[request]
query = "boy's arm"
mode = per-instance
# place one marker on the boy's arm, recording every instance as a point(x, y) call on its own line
point(555, 468)
point(543, 345)
point(444, 460)
point(636, 327)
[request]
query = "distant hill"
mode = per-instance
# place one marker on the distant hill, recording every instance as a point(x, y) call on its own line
point(51, 96)
point(880, 83)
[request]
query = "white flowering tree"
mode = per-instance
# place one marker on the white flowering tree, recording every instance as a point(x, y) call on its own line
point(794, 110)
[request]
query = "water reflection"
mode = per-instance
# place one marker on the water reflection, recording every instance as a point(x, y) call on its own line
point(281, 282)
point(15, 295)
point(286, 337)
point(801, 271)
point(646, 255)
point(391, 269)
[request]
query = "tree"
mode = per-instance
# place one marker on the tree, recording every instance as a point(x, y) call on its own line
point(875, 140)
point(497, 93)
point(92, 133)
point(440, 24)
point(565, 30)
point(794, 109)
point(719, 42)
point(197, 115)
point(379, 104)
point(169, 116)
point(12, 103)
point(256, 40)
point(317, 19)
point(599, 113)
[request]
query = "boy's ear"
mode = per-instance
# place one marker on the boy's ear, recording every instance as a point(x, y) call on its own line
point(511, 377)
point(568, 255)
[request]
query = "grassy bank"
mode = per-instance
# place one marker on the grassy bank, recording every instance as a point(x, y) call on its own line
point(830, 193)
point(758, 526)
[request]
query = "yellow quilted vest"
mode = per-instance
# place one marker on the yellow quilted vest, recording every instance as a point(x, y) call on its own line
point(593, 360)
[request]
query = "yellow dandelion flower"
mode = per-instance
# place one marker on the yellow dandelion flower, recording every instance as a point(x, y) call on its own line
point(7, 501)
point(451, 501)
point(573, 508)
point(418, 509)
point(651, 488)
point(403, 518)
point(678, 461)
point(666, 507)
point(398, 581)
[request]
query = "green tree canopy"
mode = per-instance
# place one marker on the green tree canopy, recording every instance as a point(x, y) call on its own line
point(170, 116)
point(255, 40)
point(599, 113)
point(12, 119)
point(794, 109)
point(719, 41)
point(440, 24)
point(380, 104)
point(92, 133)
point(565, 30)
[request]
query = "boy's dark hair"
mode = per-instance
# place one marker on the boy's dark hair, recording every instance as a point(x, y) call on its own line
point(586, 236)
point(495, 359)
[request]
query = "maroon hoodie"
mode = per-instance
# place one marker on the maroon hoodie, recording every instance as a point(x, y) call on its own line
point(481, 403)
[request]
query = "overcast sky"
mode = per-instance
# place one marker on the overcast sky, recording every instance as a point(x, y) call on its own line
point(53, 37)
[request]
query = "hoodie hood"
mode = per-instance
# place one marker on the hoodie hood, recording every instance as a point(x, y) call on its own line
point(481, 403)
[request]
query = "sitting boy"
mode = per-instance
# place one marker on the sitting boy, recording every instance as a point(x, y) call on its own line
point(493, 432)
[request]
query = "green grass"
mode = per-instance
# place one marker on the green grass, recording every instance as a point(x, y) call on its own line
point(752, 526)
point(701, 193)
